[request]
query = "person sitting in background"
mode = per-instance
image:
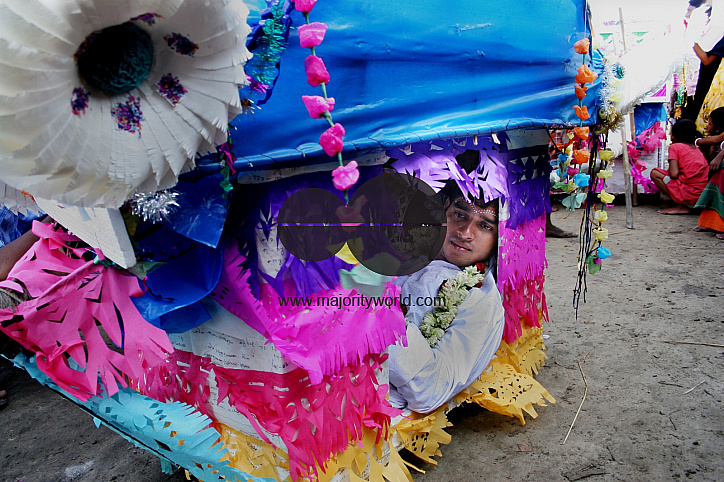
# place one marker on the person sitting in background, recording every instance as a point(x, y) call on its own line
point(711, 201)
point(686, 177)
point(428, 372)
point(710, 145)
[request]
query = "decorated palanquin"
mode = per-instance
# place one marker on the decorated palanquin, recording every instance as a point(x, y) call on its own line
point(174, 314)
point(293, 392)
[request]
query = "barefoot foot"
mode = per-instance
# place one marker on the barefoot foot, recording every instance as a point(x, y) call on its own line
point(676, 210)
point(556, 232)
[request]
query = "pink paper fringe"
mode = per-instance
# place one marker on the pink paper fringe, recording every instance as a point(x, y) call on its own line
point(521, 262)
point(73, 303)
point(315, 421)
point(320, 339)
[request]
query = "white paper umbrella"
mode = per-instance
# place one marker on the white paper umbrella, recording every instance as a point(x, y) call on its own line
point(100, 99)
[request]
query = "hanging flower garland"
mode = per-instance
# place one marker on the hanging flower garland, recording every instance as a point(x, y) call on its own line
point(582, 155)
point(575, 150)
point(311, 36)
point(452, 293)
point(588, 187)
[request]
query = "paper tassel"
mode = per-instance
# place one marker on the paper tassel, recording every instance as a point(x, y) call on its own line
point(154, 207)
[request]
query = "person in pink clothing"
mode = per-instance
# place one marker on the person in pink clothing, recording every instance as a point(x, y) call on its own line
point(688, 170)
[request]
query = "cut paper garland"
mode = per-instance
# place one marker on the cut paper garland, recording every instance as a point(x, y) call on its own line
point(528, 184)
point(520, 275)
point(175, 432)
point(521, 252)
point(321, 340)
point(525, 301)
point(314, 420)
point(507, 387)
point(364, 458)
point(434, 162)
point(81, 124)
point(519, 176)
point(74, 304)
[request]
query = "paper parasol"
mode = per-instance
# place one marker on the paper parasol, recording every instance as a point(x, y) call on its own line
point(100, 99)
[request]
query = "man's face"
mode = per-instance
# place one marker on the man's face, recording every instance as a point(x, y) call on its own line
point(472, 233)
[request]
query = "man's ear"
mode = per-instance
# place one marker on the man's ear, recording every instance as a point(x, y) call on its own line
point(446, 205)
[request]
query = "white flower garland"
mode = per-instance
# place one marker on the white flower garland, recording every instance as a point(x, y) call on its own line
point(453, 291)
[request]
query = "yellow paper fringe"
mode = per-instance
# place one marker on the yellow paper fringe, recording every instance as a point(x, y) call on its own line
point(365, 460)
point(507, 387)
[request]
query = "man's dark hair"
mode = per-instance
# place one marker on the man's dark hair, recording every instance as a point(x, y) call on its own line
point(684, 131)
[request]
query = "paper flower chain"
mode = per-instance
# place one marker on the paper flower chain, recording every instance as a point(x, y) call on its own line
point(99, 100)
point(311, 35)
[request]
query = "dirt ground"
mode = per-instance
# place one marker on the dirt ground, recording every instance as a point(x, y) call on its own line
point(653, 410)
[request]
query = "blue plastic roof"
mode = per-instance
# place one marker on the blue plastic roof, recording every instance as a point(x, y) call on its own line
point(407, 71)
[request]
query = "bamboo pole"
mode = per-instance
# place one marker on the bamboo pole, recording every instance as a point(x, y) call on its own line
point(624, 143)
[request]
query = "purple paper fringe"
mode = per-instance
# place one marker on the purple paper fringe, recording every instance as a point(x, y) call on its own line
point(147, 18)
point(128, 115)
point(170, 87)
point(181, 44)
point(79, 102)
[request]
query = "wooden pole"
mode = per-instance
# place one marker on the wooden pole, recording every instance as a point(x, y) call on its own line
point(624, 144)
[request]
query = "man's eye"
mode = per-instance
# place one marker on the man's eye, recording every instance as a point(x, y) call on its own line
point(460, 214)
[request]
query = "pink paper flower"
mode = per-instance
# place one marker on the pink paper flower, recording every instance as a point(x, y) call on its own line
point(312, 34)
point(317, 105)
point(316, 71)
point(304, 6)
point(345, 177)
point(331, 140)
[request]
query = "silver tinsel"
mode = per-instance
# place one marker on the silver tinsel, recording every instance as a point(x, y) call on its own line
point(154, 207)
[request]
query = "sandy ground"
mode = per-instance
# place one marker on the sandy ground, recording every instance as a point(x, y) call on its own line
point(653, 410)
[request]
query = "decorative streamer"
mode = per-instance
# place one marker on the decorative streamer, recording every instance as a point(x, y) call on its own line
point(74, 303)
point(314, 420)
point(322, 340)
point(175, 432)
point(521, 262)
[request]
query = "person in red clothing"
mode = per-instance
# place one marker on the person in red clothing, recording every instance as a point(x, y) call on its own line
point(688, 170)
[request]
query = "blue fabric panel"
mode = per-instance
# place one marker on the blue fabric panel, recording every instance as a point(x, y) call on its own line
point(646, 114)
point(410, 71)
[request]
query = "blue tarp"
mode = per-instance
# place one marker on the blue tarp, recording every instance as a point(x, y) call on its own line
point(645, 115)
point(407, 71)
